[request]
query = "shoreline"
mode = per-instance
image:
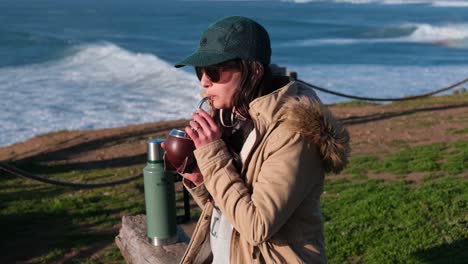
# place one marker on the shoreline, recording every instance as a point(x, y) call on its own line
point(365, 121)
point(461, 92)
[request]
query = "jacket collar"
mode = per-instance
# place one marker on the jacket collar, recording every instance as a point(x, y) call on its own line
point(302, 111)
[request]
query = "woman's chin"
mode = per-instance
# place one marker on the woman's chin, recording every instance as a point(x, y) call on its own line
point(220, 105)
point(217, 105)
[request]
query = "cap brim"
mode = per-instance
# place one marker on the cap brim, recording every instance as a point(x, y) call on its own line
point(203, 58)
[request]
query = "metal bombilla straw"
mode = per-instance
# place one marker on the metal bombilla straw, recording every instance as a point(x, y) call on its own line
point(202, 102)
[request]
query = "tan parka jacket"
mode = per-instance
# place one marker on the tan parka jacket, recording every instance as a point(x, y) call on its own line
point(274, 203)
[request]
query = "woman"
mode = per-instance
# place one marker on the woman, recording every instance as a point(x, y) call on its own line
point(262, 153)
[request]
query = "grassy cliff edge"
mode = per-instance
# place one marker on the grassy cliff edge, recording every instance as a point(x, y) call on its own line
point(402, 199)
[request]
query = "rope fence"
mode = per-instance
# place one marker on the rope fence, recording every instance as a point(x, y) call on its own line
point(21, 173)
point(413, 97)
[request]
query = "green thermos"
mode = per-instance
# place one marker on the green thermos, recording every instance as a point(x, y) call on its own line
point(159, 197)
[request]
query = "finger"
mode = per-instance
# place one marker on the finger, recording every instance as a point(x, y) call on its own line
point(191, 133)
point(208, 118)
point(189, 176)
point(202, 121)
point(195, 126)
point(163, 145)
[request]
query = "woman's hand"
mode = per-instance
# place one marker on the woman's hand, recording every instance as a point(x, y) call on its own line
point(203, 129)
point(195, 177)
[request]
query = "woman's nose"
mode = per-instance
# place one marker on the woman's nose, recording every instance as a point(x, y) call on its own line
point(205, 81)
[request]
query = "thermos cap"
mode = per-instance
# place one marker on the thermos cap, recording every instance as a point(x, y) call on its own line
point(155, 151)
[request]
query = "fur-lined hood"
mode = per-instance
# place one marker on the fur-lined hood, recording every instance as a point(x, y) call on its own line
point(299, 108)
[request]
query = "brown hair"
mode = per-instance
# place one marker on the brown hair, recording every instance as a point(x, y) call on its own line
point(256, 81)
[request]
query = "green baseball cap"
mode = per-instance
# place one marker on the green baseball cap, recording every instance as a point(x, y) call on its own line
point(234, 37)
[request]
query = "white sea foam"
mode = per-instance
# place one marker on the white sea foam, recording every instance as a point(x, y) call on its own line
point(429, 33)
point(450, 3)
point(450, 35)
point(103, 86)
point(436, 3)
point(97, 86)
point(380, 81)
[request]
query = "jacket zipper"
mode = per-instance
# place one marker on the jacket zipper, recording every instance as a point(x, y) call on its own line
point(195, 232)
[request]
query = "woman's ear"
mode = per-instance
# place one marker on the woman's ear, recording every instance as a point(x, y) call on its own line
point(258, 71)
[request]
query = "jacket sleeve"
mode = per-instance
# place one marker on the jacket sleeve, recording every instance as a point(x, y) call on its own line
point(199, 193)
point(290, 169)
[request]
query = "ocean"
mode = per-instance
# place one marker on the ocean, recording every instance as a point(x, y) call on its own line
point(78, 65)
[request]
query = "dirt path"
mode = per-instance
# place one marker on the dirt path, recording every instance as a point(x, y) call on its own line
point(374, 129)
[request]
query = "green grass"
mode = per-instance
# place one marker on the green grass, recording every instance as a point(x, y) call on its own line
point(50, 221)
point(433, 100)
point(366, 220)
point(361, 164)
point(457, 131)
point(425, 124)
point(393, 222)
point(451, 158)
point(354, 103)
point(397, 143)
point(452, 99)
point(432, 176)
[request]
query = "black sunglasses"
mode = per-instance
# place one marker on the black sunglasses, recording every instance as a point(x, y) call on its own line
point(213, 72)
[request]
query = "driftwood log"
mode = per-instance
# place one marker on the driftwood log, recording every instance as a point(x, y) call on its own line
point(136, 249)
